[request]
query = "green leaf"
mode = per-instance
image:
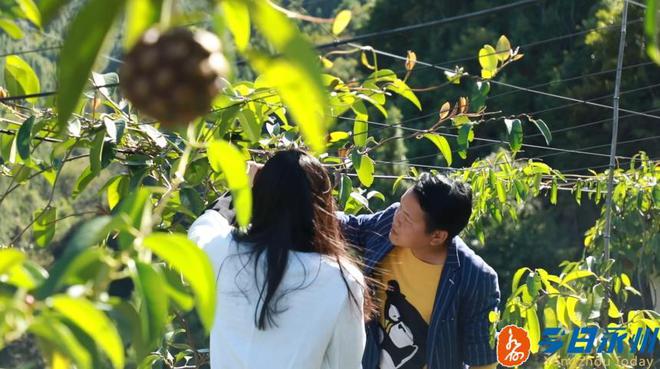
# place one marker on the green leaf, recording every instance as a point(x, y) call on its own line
point(561, 311)
point(93, 322)
point(8, 148)
point(573, 314)
point(86, 35)
point(360, 132)
point(296, 75)
point(20, 78)
point(89, 234)
point(237, 16)
point(189, 260)
point(149, 284)
point(51, 330)
point(442, 144)
point(13, 30)
point(401, 88)
point(178, 293)
point(140, 15)
point(488, 61)
point(304, 96)
point(553, 192)
point(383, 75)
point(24, 137)
point(533, 328)
point(517, 277)
point(31, 12)
point(503, 47)
point(50, 8)
point(514, 127)
point(96, 152)
point(342, 20)
point(10, 258)
point(251, 128)
point(365, 170)
point(115, 189)
point(463, 139)
point(337, 136)
point(501, 193)
point(652, 29)
point(133, 208)
point(44, 226)
point(625, 279)
point(224, 157)
point(578, 274)
point(613, 311)
point(83, 180)
point(345, 190)
point(543, 128)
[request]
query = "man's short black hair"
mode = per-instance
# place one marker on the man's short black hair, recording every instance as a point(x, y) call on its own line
point(446, 202)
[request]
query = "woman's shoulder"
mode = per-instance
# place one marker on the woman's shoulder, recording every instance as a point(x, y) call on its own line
point(351, 272)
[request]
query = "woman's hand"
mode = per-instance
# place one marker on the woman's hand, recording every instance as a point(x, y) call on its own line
point(252, 169)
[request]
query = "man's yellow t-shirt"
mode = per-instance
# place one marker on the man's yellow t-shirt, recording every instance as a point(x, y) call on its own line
point(406, 305)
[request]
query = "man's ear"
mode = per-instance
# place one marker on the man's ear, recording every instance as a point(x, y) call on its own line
point(438, 237)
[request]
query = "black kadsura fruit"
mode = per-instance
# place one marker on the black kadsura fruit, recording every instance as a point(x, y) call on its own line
point(174, 76)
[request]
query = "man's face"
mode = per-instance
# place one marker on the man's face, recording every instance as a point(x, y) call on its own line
point(409, 225)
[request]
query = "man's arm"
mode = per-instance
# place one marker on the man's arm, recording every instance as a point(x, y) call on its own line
point(358, 228)
point(483, 298)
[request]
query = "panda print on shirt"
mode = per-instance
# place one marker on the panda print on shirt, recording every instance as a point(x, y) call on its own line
point(403, 332)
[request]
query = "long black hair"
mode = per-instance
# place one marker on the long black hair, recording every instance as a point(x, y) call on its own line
point(293, 210)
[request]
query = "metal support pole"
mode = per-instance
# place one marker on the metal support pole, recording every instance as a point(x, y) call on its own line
point(615, 132)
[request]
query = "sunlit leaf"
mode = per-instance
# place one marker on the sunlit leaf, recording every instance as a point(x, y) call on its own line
point(341, 21)
point(21, 78)
point(93, 322)
point(10, 258)
point(237, 16)
point(189, 260)
point(488, 57)
point(365, 170)
point(54, 332)
point(225, 158)
point(296, 74)
point(578, 274)
point(533, 328)
point(31, 12)
point(401, 88)
point(652, 30)
point(11, 28)
point(140, 15)
point(442, 144)
point(503, 48)
point(613, 311)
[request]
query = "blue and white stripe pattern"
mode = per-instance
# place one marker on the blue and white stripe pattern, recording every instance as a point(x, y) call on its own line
point(468, 291)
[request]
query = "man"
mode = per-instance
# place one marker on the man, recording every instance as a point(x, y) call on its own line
point(436, 293)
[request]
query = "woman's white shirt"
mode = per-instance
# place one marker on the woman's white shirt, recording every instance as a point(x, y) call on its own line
point(318, 325)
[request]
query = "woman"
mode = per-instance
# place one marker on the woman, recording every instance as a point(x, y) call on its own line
point(288, 296)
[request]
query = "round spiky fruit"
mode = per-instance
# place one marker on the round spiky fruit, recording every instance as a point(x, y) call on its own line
point(174, 76)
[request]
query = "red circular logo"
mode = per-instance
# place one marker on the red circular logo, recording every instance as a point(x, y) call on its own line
point(512, 346)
